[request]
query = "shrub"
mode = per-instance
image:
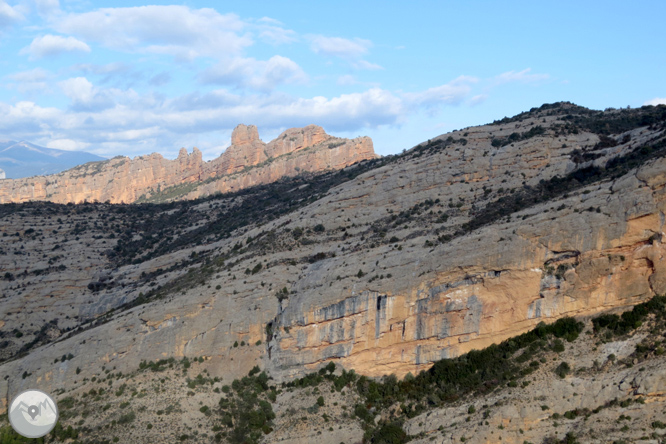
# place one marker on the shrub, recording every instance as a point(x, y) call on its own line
point(558, 346)
point(563, 369)
point(127, 418)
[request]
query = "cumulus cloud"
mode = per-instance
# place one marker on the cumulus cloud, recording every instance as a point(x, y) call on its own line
point(179, 31)
point(84, 96)
point(152, 123)
point(123, 121)
point(523, 76)
point(255, 74)
point(8, 14)
point(49, 45)
point(67, 144)
point(656, 101)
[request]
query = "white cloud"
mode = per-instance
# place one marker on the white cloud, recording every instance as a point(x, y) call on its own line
point(340, 47)
point(273, 31)
point(350, 50)
point(48, 45)
point(452, 93)
point(84, 96)
point(364, 64)
point(277, 35)
point(523, 76)
point(120, 121)
point(109, 68)
point(656, 101)
point(179, 31)
point(154, 124)
point(8, 14)
point(31, 81)
point(255, 74)
point(67, 145)
point(32, 75)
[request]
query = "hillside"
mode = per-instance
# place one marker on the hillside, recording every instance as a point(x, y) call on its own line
point(246, 163)
point(384, 267)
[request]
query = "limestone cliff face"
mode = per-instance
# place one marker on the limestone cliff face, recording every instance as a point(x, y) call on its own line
point(484, 288)
point(357, 296)
point(126, 180)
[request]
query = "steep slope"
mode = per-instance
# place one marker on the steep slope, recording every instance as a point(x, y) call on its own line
point(25, 159)
point(247, 162)
point(395, 263)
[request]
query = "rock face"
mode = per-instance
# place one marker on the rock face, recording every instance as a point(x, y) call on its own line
point(379, 275)
point(248, 161)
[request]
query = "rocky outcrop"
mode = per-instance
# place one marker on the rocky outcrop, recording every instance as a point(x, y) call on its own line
point(381, 288)
point(248, 161)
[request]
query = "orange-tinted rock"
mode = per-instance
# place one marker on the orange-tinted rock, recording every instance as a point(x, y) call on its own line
point(247, 162)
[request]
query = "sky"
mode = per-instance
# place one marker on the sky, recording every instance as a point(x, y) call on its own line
point(129, 78)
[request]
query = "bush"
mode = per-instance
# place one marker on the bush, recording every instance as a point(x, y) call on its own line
point(563, 369)
point(558, 346)
point(127, 418)
point(391, 433)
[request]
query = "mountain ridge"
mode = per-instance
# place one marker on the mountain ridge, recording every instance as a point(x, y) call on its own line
point(387, 266)
point(122, 179)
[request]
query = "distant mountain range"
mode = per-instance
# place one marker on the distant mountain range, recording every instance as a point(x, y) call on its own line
point(25, 159)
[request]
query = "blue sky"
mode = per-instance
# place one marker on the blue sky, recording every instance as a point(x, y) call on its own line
point(130, 78)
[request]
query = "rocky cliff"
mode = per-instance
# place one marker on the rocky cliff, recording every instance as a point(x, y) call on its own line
point(384, 267)
point(247, 162)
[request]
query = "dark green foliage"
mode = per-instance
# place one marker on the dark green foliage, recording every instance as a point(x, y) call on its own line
point(127, 418)
point(391, 433)
point(283, 294)
point(363, 414)
point(632, 319)
point(563, 369)
point(478, 371)
point(515, 137)
point(558, 346)
point(246, 409)
point(9, 436)
point(319, 228)
point(158, 366)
